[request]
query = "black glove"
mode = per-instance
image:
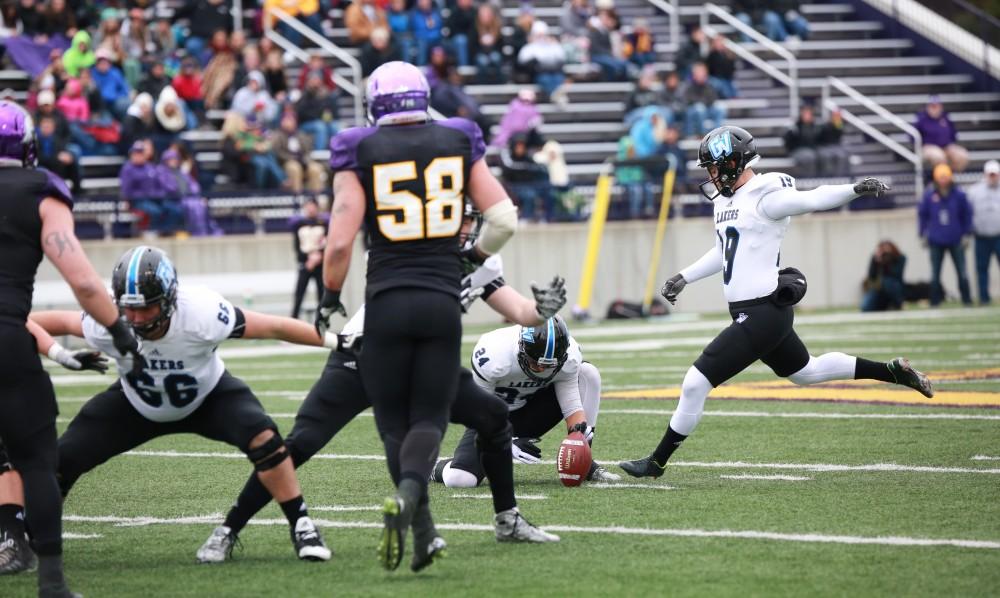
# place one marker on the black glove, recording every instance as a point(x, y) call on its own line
point(549, 300)
point(871, 186)
point(350, 343)
point(673, 287)
point(580, 427)
point(328, 305)
point(468, 295)
point(91, 360)
point(471, 259)
point(524, 450)
point(127, 344)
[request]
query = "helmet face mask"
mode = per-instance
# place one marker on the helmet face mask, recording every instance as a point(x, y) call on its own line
point(543, 349)
point(725, 152)
point(145, 277)
point(397, 93)
point(472, 223)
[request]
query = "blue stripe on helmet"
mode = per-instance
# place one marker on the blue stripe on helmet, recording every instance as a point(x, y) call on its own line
point(550, 340)
point(133, 269)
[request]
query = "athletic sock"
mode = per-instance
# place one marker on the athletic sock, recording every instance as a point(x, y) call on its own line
point(251, 500)
point(866, 369)
point(12, 518)
point(499, 470)
point(294, 509)
point(51, 581)
point(671, 442)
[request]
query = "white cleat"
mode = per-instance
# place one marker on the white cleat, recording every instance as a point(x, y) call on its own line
point(309, 545)
point(599, 474)
point(218, 548)
point(511, 526)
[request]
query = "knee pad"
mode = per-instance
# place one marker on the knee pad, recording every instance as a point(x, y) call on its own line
point(268, 455)
point(497, 441)
point(458, 478)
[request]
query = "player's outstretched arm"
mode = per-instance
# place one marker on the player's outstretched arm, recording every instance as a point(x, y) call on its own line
point(264, 326)
point(58, 323)
point(499, 213)
point(529, 312)
point(784, 202)
point(78, 360)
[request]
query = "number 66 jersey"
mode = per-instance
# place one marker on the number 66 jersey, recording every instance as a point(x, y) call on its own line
point(183, 367)
point(415, 179)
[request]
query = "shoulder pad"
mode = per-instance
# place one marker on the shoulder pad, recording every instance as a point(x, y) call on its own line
point(344, 148)
point(203, 313)
point(472, 131)
point(774, 181)
point(494, 354)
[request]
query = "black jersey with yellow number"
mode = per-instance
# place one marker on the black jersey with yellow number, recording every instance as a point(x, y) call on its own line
point(21, 232)
point(415, 179)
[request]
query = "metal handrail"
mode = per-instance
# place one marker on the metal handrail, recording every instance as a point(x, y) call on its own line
point(915, 157)
point(237, 12)
point(355, 88)
point(791, 80)
point(673, 11)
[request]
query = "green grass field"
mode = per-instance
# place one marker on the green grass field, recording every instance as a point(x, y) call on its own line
point(790, 497)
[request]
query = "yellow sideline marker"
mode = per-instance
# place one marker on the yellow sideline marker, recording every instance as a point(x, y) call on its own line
point(661, 229)
point(602, 197)
point(781, 390)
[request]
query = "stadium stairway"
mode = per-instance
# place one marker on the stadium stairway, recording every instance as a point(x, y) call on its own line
point(858, 52)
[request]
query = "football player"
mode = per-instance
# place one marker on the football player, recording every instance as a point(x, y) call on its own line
point(539, 371)
point(36, 221)
point(407, 177)
point(338, 397)
point(752, 213)
point(183, 385)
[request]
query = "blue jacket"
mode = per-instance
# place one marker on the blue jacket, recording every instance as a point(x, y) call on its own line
point(140, 182)
point(426, 25)
point(112, 84)
point(944, 220)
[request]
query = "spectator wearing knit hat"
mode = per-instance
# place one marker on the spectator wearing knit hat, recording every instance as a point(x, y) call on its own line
point(945, 221)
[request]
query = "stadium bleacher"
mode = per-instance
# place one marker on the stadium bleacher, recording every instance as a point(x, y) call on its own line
point(884, 68)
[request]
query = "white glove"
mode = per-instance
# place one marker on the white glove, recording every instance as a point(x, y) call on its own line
point(79, 361)
point(524, 450)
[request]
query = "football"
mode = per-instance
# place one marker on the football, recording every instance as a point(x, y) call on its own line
point(574, 460)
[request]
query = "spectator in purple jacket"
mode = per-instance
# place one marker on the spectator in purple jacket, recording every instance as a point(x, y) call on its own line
point(142, 188)
point(940, 138)
point(180, 187)
point(945, 225)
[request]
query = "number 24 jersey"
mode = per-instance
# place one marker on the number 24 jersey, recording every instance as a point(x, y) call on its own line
point(415, 179)
point(183, 366)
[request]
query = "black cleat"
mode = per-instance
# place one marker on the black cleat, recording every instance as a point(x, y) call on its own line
point(642, 468)
point(424, 554)
point(16, 555)
point(390, 546)
point(907, 376)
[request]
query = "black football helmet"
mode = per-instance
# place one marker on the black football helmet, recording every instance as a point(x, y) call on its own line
point(472, 218)
point(142, 277)
point(543, 349)
point(731, 150)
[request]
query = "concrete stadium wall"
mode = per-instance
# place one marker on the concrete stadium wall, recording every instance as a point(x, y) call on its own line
point(831, 249)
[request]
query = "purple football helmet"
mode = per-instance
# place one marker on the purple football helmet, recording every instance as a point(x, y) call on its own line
point(17, 135)
point(397, 93)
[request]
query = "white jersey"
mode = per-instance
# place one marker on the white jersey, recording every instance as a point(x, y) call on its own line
point(749, 241)
point(183, 366)
point(488, 277)
point(494, 363)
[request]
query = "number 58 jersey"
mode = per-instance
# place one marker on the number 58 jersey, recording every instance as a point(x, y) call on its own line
point(415, 178)
point(183, 366)
point(749, 241)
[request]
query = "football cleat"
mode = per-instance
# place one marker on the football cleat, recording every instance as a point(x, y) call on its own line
point(424, 555)
point(16, 555)
point(309, 545)
point(642, 468)
point(907, 376)
point(599, 474)
point(218, 548)
point(60, 591)
point(390, 545)
point(511, 526)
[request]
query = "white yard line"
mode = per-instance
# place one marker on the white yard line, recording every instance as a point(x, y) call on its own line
point(985, 458)
point(73, 536)
point(748, 476)
point(810, 415)
point(490, 497)
point(607, 485)
point(873, 467)
point(611, 530)
point(344, 508)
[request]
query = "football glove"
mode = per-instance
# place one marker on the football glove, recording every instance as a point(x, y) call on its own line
point(79, 361)
point(328, 305)
point(468, 295)
point(350, 343)
point(127, 343)
point(673, 287)
point(583, 428)
point(471, 259)
point(549, 300)
point(524, 450)
point(871, 186)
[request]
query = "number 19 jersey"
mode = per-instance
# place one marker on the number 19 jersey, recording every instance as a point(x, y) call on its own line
point(750, 242)
point(183, 367)
point(415, 179)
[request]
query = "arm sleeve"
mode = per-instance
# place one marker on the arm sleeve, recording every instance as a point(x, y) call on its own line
point(568, 396)
point(239, 323)
point(781, 203)
point(707, 265)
